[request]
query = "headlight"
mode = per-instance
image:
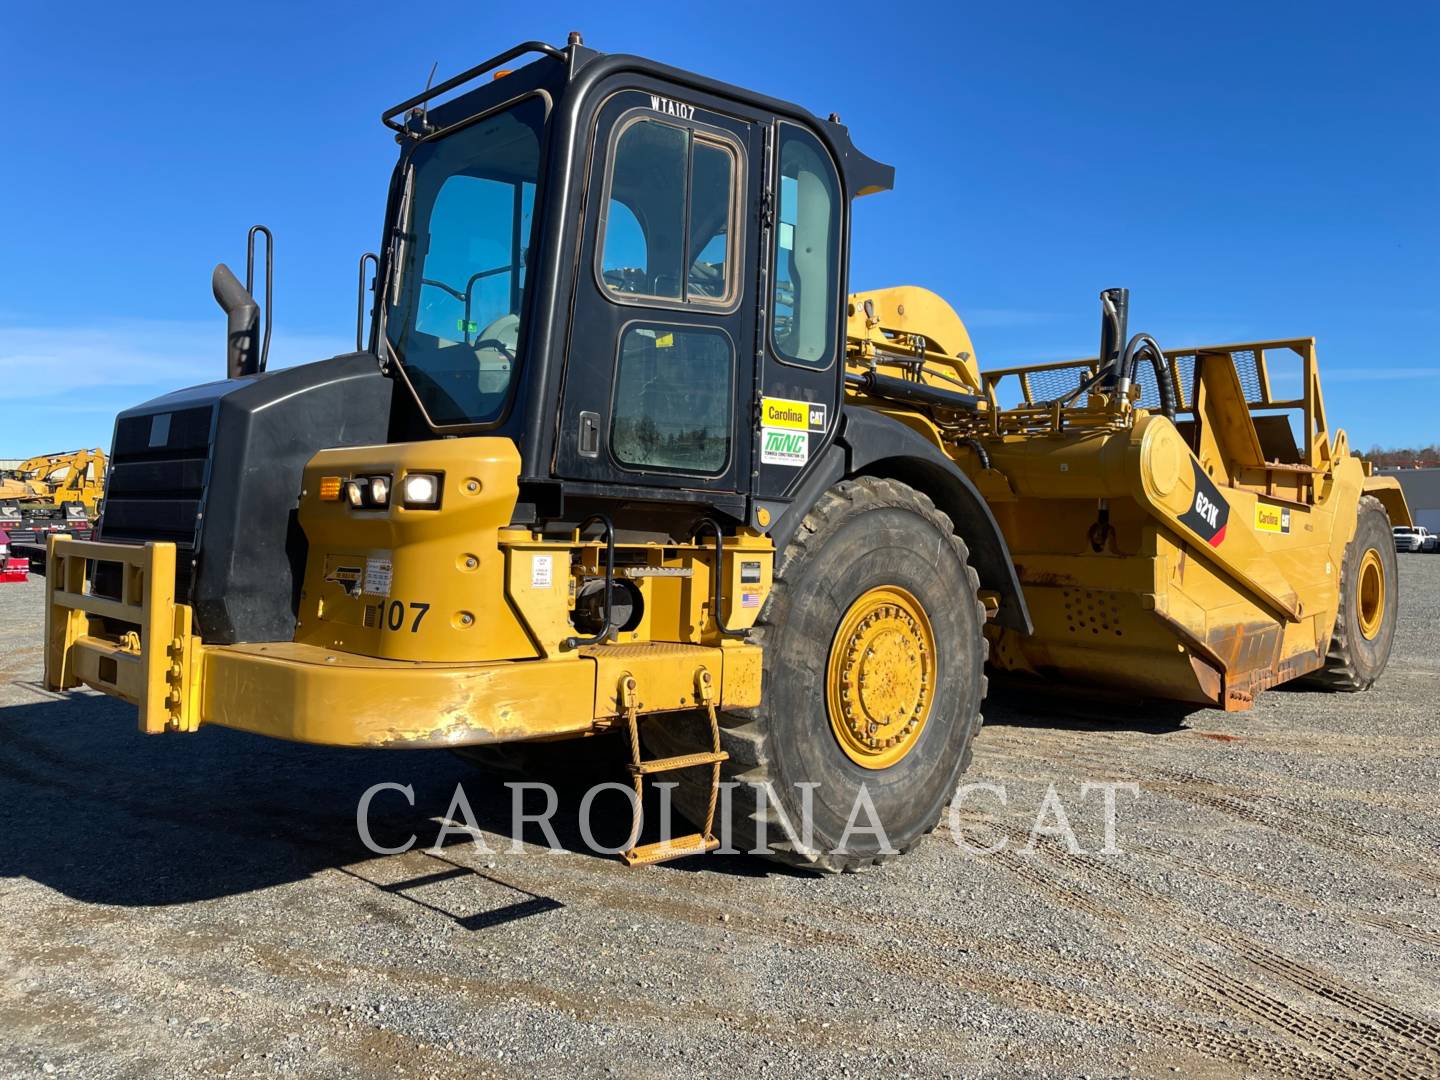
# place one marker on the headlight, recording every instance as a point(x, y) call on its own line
point(368, 492)
point(420, 490)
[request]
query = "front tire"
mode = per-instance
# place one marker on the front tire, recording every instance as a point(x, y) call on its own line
point(873, 679)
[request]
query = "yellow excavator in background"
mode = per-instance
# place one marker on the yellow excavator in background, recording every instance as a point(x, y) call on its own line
point(52, 480)
point(47, 494)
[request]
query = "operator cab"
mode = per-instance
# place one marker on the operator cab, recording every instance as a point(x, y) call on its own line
point(635, 273)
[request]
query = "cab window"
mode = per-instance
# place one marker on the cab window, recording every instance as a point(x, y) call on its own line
point(457, 290)
point(805, 302)
point(669, 225)
point(673, 399)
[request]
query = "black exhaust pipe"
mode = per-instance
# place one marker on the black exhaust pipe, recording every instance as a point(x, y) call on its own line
point(242, 313)
point(245, 352)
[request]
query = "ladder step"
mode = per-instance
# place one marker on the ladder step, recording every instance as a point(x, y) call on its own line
point(683, 761)
point(678, 847)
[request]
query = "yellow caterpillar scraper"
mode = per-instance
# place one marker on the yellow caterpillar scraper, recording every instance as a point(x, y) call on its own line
point(619, 454)
point(1183, 523)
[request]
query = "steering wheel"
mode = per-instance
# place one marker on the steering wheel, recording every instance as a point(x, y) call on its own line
point(501, 336)
point(495, 345)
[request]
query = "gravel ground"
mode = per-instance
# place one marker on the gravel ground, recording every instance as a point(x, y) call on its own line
point(201, 904)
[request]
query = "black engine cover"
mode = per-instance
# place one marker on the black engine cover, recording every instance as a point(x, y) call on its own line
point(216, 469)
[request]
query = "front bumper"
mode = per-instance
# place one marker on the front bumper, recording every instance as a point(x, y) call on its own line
point(141, 647)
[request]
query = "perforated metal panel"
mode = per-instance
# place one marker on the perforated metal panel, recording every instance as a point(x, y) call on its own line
point(1185, 369)
point(1056, 383)
point(1249, 372)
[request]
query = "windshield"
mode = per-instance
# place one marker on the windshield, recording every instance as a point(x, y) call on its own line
point(458, 282)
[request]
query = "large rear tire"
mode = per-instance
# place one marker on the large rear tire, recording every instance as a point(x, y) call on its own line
point(873, 679)
point(1365, 623)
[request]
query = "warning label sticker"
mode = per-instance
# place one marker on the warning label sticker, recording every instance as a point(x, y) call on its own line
point(542, 571)
point(378, 573)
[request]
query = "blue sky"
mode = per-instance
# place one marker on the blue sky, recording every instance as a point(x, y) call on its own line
point(1247, 170)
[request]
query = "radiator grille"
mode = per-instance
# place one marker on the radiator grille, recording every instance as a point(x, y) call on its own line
point(156, 485)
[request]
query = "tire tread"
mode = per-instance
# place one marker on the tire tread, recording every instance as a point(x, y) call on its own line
point(743, 734)
point(1340, 672)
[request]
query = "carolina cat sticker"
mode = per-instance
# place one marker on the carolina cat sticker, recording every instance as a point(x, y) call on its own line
point(1272, 519)
point(784, 430)
point(795, 415)
point(1209, 513)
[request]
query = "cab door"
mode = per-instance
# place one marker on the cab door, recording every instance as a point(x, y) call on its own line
point(660, 367)
point(803, 290)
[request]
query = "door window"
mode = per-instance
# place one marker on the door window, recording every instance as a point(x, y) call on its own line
point(673, 398)
point(805, 303)
point(670, 216)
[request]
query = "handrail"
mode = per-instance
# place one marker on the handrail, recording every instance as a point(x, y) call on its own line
point(388, 116)
point(373, 259)
point(717, 593)
point(269, 282)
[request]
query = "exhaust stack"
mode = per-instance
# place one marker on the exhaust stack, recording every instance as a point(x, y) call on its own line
point(242, 313)
point(245, 353)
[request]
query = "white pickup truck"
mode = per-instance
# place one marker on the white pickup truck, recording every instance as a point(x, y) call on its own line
point(1415, 538)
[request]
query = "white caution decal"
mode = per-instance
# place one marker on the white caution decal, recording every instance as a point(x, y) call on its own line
point(378, 573)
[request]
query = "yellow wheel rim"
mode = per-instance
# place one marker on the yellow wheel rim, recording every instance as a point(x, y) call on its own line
point(1371, 594)
point(880, 680)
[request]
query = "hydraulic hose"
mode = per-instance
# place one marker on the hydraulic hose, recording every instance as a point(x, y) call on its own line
point(981, 454)
point(1145, 345)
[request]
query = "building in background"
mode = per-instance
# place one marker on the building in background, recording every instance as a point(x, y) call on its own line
point(1422, 492)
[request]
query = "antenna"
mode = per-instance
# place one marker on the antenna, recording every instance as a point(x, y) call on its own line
point(424, 109)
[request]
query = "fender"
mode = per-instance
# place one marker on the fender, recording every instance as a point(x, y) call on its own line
point(872, 444)
point(1387, 489)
